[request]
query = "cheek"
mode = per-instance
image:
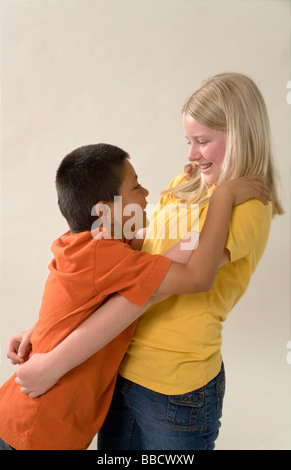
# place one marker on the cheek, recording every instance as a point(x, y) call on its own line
point(216, 154)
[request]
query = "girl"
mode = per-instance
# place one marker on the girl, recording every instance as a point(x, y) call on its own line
point(171, 385)
point(170, 390)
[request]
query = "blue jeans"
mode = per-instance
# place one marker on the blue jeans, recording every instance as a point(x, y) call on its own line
point(140, 419)
point(4, 446)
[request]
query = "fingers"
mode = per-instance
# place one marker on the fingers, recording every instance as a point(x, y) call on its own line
point(261, 188)
point(18, 381)
point(17, 348)
point(263, 197)
point(249, 187)
point(24, 346)
point(19, 372)
point(24, 349)
point(262, 192)
point(190, 169)
point(25, 390)
point(26, 386)
point(15, 359)
point(12, 354)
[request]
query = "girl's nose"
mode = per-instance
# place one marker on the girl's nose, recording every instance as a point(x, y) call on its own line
point(194, 154)
point(145, 191)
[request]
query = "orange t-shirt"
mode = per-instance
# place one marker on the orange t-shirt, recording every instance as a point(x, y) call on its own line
point(83, 273)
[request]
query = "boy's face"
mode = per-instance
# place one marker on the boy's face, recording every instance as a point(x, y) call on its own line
point(131, 206)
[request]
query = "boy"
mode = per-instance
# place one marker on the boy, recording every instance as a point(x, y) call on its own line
point(83, 273)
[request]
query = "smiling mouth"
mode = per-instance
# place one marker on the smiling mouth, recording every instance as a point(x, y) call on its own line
point(205, 167)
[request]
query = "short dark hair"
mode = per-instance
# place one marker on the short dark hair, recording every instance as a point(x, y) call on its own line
point(87, 175)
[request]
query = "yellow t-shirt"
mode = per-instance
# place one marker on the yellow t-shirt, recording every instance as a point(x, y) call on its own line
point(177, 344)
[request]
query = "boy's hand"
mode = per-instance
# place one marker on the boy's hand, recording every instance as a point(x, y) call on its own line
point(190, 169)
point(18, 346)
point(246, 187)
point(35, 376)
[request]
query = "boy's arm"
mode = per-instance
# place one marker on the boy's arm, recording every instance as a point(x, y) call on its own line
point(199, 273)
point(18, 346)
point(111, 318)
point(181, 255)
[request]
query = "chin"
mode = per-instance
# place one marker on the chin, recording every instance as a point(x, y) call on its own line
point(210, 180)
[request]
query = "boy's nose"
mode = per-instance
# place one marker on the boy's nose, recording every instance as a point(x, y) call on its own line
point(146, 192)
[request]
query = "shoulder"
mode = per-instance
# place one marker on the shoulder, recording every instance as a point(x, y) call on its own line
point(117, 252)
point(253, 212)
point(111, 257)
point(177, 180)
point(114, 246)
point(165, 199)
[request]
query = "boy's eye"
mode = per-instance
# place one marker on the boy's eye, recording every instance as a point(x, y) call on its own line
point(137, 186)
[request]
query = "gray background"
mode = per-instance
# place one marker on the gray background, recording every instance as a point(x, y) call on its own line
point(83, 71)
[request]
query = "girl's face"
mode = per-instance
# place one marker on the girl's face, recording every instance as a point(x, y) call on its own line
point(206, 148)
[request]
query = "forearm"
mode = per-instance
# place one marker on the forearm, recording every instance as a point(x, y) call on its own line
point(198, 274)
point(103, 326)
point(206, 260)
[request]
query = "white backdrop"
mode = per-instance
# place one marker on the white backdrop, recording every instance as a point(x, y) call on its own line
point(84, 71)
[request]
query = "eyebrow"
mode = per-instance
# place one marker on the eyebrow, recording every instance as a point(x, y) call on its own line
point(202, 136)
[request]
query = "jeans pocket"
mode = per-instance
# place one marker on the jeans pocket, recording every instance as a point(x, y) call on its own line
point(184, 409)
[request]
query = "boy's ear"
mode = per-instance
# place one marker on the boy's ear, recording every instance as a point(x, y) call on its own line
point(105, 209)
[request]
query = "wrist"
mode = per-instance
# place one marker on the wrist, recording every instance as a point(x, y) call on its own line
point(224, 193)
point(55, 365)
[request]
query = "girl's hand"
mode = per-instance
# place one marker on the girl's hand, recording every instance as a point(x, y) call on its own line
point(18, 346)
point(36, 376)
point(246, 187)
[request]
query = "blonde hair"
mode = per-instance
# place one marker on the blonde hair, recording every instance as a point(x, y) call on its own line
point(231, 102)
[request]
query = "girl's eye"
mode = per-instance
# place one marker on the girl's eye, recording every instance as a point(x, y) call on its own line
point(200, 142)
point(137, 186)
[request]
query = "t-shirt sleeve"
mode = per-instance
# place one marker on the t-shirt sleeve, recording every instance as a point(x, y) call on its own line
point(249, 226)
point(134, 274)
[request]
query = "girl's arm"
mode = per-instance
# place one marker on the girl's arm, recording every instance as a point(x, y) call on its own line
point(42, 371)
point(18, 347)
